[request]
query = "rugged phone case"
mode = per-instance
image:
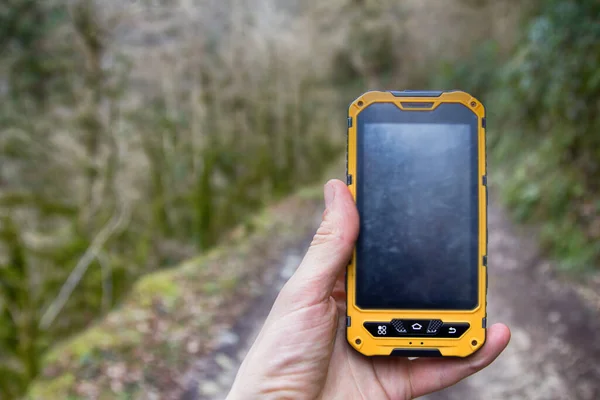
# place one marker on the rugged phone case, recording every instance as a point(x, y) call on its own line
point(418, 333)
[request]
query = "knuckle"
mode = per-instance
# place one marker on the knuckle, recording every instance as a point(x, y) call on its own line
point(326, 233)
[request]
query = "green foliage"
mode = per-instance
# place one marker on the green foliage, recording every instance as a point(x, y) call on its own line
point(557, 81)
point(24, 27)
point(542, 106)
point(477, 74)
point(558, 72)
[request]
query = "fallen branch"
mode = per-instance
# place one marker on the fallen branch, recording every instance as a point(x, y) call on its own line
point(114, 225)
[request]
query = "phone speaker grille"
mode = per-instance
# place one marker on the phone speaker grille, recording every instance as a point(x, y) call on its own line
point(426, 105)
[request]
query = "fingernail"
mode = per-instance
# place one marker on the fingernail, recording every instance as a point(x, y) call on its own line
point(329, 194)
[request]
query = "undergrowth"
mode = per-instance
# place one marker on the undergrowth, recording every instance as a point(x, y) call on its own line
point(542, 100)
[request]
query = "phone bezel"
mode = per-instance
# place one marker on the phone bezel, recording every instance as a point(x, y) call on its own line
point(444, 114)
point(360, 112)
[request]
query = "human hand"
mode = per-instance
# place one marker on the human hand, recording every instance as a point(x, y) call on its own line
point(301, 351)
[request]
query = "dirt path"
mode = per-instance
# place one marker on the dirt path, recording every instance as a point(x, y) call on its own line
point(212, 376)
point(554, 353)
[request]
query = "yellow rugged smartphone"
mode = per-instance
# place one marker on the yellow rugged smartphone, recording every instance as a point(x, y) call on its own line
point(416, 166)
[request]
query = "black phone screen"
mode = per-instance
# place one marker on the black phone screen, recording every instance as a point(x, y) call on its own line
point(417, 195)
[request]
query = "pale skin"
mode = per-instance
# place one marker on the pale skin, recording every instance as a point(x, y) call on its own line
point(301, 351)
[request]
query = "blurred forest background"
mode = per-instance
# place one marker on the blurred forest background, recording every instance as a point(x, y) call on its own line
point(136, 134)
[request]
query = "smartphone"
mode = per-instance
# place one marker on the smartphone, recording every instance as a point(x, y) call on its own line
point(417, 281)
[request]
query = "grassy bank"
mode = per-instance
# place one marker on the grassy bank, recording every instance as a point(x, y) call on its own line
point(173, 317)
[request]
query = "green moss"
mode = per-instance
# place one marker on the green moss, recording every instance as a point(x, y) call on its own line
point(161, 285)
point(57, 388)
point(211, 288)
point(90, 343)
point(229, 283)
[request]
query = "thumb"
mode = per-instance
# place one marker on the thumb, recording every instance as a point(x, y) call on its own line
point(329, 252)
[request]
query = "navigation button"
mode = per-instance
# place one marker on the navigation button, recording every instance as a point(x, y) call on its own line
point(417, 327)
point(453, 329)
point(380, 329)
point(398, 325)
point(434, 326)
